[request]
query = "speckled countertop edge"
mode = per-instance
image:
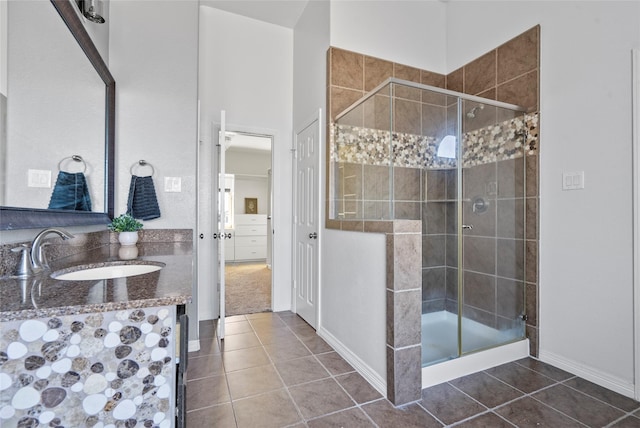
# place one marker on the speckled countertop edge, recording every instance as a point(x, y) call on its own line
point(173, 286)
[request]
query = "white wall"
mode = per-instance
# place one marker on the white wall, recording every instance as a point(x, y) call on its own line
point(354, 296)
point(156, 109)
point(586, 323)
point(246, 69)
point(406, 32)
point(156, 105)
point(250, 170)
point(3, 47)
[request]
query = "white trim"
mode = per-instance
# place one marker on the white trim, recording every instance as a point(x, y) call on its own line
point(370, 375)
point(635, 112)
point(605, 380)
point(472, 363)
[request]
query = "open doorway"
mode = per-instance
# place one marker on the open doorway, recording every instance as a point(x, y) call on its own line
point(248, 215)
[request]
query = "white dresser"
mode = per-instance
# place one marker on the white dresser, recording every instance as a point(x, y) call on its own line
point(250, 240)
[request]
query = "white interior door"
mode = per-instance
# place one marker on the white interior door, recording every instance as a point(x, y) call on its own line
point(307, 220)
point(218, 220)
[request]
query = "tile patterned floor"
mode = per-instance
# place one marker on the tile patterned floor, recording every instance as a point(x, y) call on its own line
point(272, 370)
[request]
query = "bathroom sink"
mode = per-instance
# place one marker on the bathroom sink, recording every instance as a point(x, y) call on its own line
point(106, 270)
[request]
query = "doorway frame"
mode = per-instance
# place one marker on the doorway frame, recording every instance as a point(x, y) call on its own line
point(213, 139)
point(317, 115)
point(635, 112)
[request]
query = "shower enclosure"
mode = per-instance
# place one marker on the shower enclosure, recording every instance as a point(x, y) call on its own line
point(456, 162)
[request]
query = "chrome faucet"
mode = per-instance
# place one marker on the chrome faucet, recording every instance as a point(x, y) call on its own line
point(38, 260)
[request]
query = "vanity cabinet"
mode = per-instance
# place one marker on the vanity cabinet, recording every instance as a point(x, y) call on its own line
point(115, 368)
point(250, 237)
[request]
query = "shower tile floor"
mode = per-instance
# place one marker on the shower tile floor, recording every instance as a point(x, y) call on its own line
point(272, 370)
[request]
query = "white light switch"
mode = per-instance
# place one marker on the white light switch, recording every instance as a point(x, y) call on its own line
point(39, 178)
point(173, 184)
point(573, 180)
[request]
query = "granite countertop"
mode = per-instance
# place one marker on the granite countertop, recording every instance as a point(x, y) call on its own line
point(42, 296)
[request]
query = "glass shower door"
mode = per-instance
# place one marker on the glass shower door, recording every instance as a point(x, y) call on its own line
point(491, 209)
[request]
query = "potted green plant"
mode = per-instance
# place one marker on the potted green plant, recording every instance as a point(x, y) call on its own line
point(127, 228)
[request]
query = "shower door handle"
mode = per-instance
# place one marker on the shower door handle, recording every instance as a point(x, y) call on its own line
point(467, 226)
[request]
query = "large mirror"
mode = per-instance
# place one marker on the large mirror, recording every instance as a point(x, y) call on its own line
point(59, 122)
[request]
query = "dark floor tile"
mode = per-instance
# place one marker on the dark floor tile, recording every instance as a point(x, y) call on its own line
point(207, 347)
point(521, 377)
point(302, 329)
point(616, 400)
point(316, 345)
point(267, 322)
point(489, 391)
point(334, 363)
point(206, 329)
point(300, 370)
point(320, 397)
point(528, 412)
point(222, 415)
point(628, 422)
point(288, 351)
point(239, 341)
point(207, 392)
point(279, 335)
point(237, 328)
point(272, 409)
point(387, 416)
point(262, 315)
point(354, 417)
point(486, 420)
point(358, 388)
point(205, 366)
point(448, 404)
point(544, 368)
point(253, 381)
point(244, 359)
point(578, 405)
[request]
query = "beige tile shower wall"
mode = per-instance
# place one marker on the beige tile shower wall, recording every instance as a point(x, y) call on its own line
point(509, 73)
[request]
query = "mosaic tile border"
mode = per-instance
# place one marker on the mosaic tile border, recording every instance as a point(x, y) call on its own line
point(353, 144)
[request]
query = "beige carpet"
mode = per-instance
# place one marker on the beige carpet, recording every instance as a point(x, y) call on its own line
point(248, 288)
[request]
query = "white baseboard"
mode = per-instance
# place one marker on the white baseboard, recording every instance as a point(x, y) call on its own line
point(377, 381)
point(605, 380)
point(473, 363)
point(194, 345)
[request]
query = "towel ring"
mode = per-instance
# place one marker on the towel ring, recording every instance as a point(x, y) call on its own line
point(143, 163)
point(76, 158)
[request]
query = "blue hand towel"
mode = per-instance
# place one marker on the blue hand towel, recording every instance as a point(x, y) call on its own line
point(142, 203)
point(70, 192)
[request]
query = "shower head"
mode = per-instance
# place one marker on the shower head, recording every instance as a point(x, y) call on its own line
point(472, 113)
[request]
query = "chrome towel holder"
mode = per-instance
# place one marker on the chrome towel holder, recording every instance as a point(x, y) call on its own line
point(142, 163)
point(76, 158)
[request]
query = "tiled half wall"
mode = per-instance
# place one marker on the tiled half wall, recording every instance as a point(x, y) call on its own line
point(509, 73)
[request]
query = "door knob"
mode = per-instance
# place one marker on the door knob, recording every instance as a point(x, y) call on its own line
point(467, 226)
point(215, 236)
point(202, 236)
point(313, 235)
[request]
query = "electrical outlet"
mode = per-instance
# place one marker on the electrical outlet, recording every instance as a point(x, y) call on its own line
point(173, 184)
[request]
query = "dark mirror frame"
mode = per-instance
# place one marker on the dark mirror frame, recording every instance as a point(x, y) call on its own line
point(27, 218)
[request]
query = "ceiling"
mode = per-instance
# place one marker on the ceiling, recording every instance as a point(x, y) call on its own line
point(284, 13)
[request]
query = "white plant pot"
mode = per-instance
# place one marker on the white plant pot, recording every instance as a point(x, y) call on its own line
point(128, 238)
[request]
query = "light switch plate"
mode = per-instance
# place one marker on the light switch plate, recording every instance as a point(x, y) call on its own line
point(173, 184)
point(39, 178)
point(573, 180)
